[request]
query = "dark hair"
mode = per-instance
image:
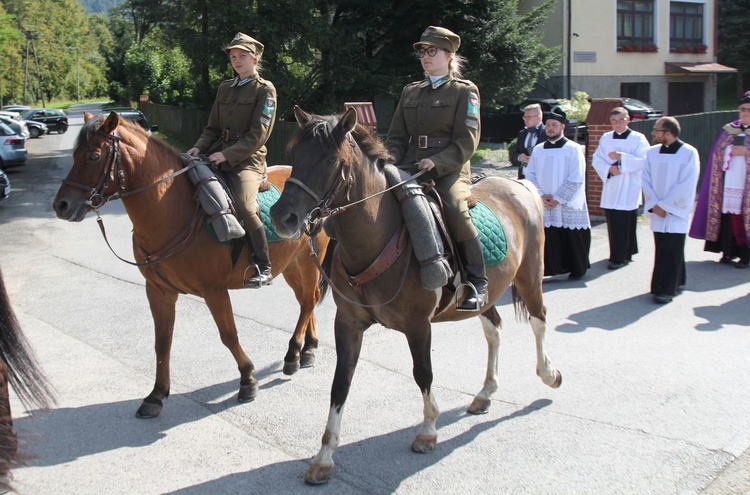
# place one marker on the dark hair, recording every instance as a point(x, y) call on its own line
point(671, 125)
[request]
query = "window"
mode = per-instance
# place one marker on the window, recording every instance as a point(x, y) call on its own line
point(686, 27)
point(635, 25)
point(639, 91)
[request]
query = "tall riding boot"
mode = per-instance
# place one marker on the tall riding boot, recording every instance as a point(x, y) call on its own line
point(472, 259)
point(256, 240)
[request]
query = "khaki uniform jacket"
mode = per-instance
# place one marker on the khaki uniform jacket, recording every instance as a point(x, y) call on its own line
point(250, 109)
point(451, 110)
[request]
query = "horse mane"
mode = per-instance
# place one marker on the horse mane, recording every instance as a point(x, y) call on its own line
point(24, 374)
point(92, 125)
point(321, 129)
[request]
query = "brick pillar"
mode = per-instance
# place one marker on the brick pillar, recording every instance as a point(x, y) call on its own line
point(598, 123)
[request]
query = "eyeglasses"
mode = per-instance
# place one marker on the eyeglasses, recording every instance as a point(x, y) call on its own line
point(744, 109)
point(616, 121)
point(659, 130)
point(431, 51)
point(527, 117)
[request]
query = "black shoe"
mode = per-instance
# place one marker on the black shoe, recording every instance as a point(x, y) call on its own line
point(742, 264)
point(662, 298)
point(726, 260)
point(613, 265)
point(260, 279)
point(576, 277)
point(474, 300)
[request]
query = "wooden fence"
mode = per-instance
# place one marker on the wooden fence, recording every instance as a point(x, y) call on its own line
point(186, 125)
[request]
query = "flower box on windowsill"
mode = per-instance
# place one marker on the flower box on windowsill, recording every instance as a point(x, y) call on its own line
point(690, 49)
point(650, 48)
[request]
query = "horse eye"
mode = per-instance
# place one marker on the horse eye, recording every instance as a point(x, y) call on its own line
point(94, 156)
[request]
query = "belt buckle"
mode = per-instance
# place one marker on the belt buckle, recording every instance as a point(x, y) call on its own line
point(225, 134)
point(422, 142)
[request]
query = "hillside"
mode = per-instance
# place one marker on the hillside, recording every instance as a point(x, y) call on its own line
point(99, 6)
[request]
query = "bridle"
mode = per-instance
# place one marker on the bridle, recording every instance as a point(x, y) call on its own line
point(113, 170)
point(344, 181)
point(314, 223)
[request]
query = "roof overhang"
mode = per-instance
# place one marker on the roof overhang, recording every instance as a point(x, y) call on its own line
point(696, 68)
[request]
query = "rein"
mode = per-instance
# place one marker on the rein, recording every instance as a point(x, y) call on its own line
point(399, 243)
point(113, 168)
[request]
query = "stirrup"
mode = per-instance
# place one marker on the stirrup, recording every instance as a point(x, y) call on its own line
point(473, 301)
point(260, 279)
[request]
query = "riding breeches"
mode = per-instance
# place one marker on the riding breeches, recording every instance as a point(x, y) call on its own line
point(244, 184)
point(454, 192)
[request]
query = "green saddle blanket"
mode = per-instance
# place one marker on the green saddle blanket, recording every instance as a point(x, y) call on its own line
point(266, 199)
point(491, 233)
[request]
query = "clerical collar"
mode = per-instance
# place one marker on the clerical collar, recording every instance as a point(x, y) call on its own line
point(435, 81)
point(558, 143)
point(241, 82)
point(670, 149)
point(624, 135)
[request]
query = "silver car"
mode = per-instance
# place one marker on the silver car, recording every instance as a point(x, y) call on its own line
point(16, 123)
point(4, 185)
point(12, 148)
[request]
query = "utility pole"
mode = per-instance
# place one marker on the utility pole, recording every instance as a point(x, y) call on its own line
point(27, 35)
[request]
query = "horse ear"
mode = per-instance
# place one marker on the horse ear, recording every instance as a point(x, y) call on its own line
point(87, 116)
point(111, 123)
point(302, 116)
point(349, 120)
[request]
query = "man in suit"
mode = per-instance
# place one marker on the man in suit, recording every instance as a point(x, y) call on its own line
point(532, 134)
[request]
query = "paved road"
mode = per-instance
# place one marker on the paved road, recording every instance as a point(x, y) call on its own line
point(654, 398)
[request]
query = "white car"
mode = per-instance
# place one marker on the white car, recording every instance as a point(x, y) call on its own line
point(14, 120)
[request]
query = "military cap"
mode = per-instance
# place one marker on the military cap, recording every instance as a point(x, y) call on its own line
point(441, 38)
point(558, 115)
point(245, 42)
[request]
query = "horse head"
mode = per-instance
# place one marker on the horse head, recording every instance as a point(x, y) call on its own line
point(97, 174)
point(325, 153)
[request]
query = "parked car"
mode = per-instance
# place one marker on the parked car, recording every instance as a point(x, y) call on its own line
point(4, 185)
point(12, 149)
point(639, 110)
point(134, 115)
point(505, 123)
point(17, 124)
point(36, 129)
point(55, 119)
point(16, 108)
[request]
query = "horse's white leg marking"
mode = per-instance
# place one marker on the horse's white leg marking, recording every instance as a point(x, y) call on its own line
point(427, 434)
point(493, 334)
point(324, 459)
point(544, 368)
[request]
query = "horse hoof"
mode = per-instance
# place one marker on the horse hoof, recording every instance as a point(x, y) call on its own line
point(319, 475)
point(307, 359)
point(150, 408)
point(291, 367)
point(424, 443)
point(558, 380)
point(248, 392)
point(479, 406)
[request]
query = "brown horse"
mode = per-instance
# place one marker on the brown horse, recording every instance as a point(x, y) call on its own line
point(115, 159)
point(337, 173)
point(19, 369)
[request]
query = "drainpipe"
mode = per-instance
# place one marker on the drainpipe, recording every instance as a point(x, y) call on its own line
point(568, 91)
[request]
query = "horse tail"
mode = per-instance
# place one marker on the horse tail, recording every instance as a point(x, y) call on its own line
point(522, 312)
point(327, 266)
point(24, 373)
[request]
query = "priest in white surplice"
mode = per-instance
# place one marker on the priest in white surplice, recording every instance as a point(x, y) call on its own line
point(670, 177)
point(619, 161)
point(557, 168)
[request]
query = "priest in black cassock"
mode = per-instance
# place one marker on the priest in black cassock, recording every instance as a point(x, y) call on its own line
point(557, 168)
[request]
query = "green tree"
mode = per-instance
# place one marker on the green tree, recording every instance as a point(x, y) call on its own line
point(734, 45)
point(11, 40)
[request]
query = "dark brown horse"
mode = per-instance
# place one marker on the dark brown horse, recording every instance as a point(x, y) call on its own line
point(337, 173)
point(113, 159)
point(19, 369)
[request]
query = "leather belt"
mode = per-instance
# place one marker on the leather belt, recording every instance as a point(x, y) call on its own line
point(424, 142)
point(228, 135)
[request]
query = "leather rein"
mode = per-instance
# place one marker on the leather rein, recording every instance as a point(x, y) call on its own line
point(113, 170)
point(393, 250)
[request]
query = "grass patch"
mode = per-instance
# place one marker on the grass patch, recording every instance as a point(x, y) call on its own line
point(486, 153)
